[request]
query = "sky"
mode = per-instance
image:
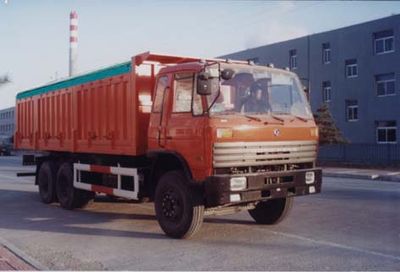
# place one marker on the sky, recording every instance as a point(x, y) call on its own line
point(34, 35)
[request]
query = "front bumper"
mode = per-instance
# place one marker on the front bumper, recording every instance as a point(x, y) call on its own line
point(261, 186)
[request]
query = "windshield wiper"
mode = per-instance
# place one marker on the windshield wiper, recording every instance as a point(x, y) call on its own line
point(277, 118)
point(252, 117)
point(295, 116)
point(305, 120)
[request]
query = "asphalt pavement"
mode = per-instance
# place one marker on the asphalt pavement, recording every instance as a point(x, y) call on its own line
point(354, 224)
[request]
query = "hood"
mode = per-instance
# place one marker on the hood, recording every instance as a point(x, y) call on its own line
point(259, 128)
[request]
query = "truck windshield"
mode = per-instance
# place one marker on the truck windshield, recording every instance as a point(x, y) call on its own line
point(258, 90)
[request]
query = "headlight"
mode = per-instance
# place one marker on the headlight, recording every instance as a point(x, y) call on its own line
point(238, 183)
point(310, 177)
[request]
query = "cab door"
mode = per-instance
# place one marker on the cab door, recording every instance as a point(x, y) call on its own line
point(185, 127)
point(159, 115)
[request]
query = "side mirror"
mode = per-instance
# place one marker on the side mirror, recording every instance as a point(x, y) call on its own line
point(203, 84)
point(227, 74)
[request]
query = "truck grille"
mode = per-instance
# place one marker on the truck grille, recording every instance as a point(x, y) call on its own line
point(237, 154)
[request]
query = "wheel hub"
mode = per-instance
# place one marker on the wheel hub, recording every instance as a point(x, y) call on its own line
point(171, 207)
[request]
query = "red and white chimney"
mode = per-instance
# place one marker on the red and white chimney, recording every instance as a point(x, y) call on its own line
point(73, 42)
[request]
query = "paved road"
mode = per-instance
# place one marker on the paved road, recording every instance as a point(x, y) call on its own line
point(352, 225)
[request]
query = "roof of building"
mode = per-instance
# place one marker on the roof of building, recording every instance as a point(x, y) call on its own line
point(7, 109)
point(314, 34)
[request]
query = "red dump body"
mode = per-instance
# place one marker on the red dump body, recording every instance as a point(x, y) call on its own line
point(103, 112)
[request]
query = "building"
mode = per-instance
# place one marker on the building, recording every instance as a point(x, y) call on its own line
point(355, 70)
point(7, 122)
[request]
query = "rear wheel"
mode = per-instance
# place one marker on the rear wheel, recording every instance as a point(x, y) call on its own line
point(47, 182)
point(68, 196)
point(271, 211)
point(175, 202)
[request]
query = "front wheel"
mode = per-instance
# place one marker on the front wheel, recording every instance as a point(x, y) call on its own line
point(176, 209)
point(272, 211)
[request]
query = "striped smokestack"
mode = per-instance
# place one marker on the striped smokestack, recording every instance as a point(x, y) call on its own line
point(73, 42)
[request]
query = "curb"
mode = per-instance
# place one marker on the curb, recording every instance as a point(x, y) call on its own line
point(17, 252)
point(390, 178)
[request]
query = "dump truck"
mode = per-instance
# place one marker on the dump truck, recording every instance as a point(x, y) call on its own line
point(195, 136)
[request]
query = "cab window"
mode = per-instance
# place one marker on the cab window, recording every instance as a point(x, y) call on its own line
point(161, 85)
point(183, 92)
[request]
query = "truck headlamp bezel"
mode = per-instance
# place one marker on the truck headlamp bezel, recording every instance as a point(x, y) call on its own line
point(238, 183)
point(310, 177)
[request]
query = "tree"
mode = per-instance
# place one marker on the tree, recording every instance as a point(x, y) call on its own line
point(329, 133)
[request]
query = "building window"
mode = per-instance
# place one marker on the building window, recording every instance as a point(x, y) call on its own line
point(383, 42)
point(293, 59)
point(351, 110)
point(351, 68)
point(326, 53)
point(326, 91)
point(385, 84)
point(386, 132)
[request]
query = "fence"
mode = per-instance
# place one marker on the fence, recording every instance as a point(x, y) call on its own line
point(364, 154)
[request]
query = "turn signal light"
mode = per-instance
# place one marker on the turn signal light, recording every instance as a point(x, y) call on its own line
point(224, 133)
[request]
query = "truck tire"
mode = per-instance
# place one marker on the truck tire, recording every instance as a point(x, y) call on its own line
point(68, 196)
point(272, 211)
point(177, 213)
point(47, 182)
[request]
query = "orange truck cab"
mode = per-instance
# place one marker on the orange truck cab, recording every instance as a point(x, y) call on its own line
point(197, 137)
